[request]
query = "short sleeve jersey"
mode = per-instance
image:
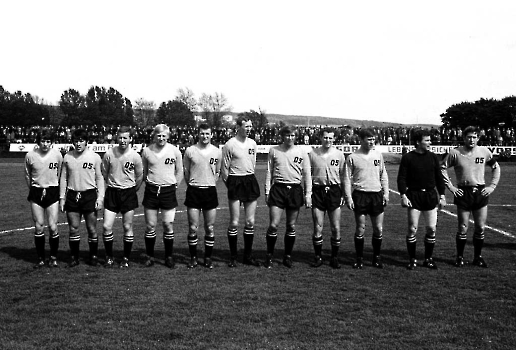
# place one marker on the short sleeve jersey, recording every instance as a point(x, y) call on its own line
point(327, 167)
point(238, 158)
point(82, 172)
point(163, 167)
point(202, 166)
point(121, 169)
point(42, 170)
point(469, 168)
point(287, 167)
point(366, 173)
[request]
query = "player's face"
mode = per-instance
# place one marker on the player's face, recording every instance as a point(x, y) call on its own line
point(368, 142)
point(327, 139)
point(124, 140)
point(425, 143)
point(470, 139)
point(246, 127)
point(289, 139)
point(79, 145)
point(205, 136)
point(45, 145)
point(161, 138)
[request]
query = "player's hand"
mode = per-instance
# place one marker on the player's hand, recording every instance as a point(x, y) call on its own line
point(457, 192)
point(308, 201)
point(385, 201)
point(486, 191)
point(442, 203)
point(350, 204)
point(405, 202)
point(98, 204)
point(342, 201)
point(62, 202)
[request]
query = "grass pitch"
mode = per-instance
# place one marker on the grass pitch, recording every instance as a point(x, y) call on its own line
point(256, 308)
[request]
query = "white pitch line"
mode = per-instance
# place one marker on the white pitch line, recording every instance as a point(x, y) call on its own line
point(471, 221)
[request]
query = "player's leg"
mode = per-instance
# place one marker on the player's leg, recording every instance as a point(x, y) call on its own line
point(461, 237)
point(480, 218)
point(151, 219)
point(360, 222)
point(430, 217)
point(193, 225)
point(334, 216)
point(234, 215)
point(317, 237)
point(290, 235)
point(250, 212)
point(127, 223)
point(90, 219)
point(209, 235)
point(413, 223)
point(38, 216)
point(168, 217)
point(107, 235)
point(52, 214)
point(74, 219)
point(377, 223)
point(272, 233)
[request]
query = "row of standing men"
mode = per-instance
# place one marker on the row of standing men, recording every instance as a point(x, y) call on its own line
point(81, 183)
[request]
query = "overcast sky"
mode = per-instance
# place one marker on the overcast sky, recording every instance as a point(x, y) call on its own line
point(398, 61)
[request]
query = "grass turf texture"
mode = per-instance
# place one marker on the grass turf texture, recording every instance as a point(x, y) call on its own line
point(256, 308)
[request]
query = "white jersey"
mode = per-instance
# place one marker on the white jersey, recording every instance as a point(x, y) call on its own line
point(202, 165)
point(327, 167)
point(162, 167)
point(122, 170)
point(238, 158)
point(81, 172)
point(42, 169)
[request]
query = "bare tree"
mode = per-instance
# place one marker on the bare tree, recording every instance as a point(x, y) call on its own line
point(144, 112)
point(188, 98)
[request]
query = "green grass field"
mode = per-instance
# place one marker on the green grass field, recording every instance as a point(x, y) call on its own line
point(256, 308)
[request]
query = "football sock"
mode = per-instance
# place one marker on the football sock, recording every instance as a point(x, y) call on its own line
point(478, 243)
point(93, 242)
point(335, 245)
point(128, 246)
point(359, 246)
point(318, 243)
point(461, 239)
point(74, 242)
point(248, 240)
point(192, 245)
point(411, 247)
point(233, 242)
point(209, 242)
point(271, 238)
point(53, 242)
point(150, 241)
point(429, 246)
point(108, 243)
point(377, 244)
point(290, 239)
point(39, 241)
point(168, 241)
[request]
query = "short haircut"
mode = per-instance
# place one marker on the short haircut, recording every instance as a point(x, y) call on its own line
point(419, 134)
point(203, 126)
point(159, 129)
point(286, 130)
point(366, 133)
point(240, 120)
point(124, 129)
point(327, 130)
point(45, 135)
point(80, 134)
point(470, 129)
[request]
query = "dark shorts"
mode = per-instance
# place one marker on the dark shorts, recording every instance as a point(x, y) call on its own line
point(201, 197)
point(286, 196)
point(44, 197)
point(81, 202)
point(159, 197)
point(423, 200)
point(243, 188)
point(326, 198)
point(368, 203)
point(120, 200)
point(472, 198)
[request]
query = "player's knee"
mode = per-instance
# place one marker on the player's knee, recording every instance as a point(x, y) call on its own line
point(39, 226)
point(377, 231)
point(273, 227)
point(150, 228)
point(463, 228)
point(430, 231)
point(106, 228)
point(249, 223)
point(291, 228)
point(52, 227)
point(335, 232)
point(412, 230)
point(209, 230)
point(128, 227)
point(168, 227)
point(193, 228)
